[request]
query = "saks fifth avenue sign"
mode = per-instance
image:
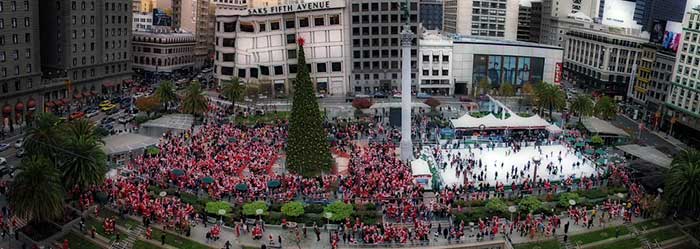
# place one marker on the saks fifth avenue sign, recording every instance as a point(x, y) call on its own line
point(290, 8)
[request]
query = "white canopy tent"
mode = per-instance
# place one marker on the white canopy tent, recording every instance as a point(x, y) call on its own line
point(397, 105)
point(420, 167)
point(491, 122)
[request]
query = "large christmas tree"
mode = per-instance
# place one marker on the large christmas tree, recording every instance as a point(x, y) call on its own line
point(307, 151)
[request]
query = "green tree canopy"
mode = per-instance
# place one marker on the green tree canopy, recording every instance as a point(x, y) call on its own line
point(36, 194)
point(506, 89)
point(682, 184)
point(339, 210)
point(308, 151)
point(84, 161)
point(530, 204)
point(497, 205)
point(41, 138)
point(293, 209)
point(213, 207)
point(252, 207)
point(195, 102)
point(166, 93)
point(605, 108)
point(550, 97)
point(582, 106)
point(233, 90)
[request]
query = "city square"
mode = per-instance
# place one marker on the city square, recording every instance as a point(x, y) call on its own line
point(205, 124)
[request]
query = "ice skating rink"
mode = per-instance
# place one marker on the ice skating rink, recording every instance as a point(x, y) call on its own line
point(492, 160)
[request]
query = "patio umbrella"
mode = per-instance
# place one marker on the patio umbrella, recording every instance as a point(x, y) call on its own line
point(600, 152)
point(600, 161)
point(570, 139)
point(242, 187)
point(232, 140)
point(101, 197)
point(208, 180)
point(589, 151)
point(273, 184)
point(255, 139)
point(332, 138)
point(178, 172)
point(580, 144)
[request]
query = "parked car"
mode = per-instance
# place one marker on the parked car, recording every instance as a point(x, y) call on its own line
point(422, 95)
point(108, 107)
point(126, 118)
point(465, 99)
point(105, 103)
point(380, 95)
point(320, 95)
point(3, 161)
point(20, 153)
point(76, 115)
point(4, 147)
point(91, 113)
point(396, 95)
point(6, 170)
point(19, 143)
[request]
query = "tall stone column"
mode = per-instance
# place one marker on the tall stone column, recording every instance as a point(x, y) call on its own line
point(406, 106)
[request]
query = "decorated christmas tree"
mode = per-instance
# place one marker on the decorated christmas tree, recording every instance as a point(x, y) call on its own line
point(307, 151)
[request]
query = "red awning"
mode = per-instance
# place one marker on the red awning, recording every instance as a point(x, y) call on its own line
point(19, 107)
point(50, 104)
point(93, 93)
point(108, 85)
point(59, 102)
point(31, 104)
point(7, 109)
point(78, 96)
point(66, 100)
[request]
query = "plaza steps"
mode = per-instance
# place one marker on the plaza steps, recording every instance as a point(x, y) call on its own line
point(565, 245)
point(646, 244)
point(133, 234)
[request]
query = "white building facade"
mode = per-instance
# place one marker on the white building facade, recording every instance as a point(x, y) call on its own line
point(435, 67)
point(486, 18)
point(259, 44)
point(142, 21)
point(163, 51)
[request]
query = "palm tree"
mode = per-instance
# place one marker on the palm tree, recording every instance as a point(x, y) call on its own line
point(549, 96)
point(582, 106)
point(41, 138)
point(166, 93)
point(85, 162)
point(506, 89)
point(195, 102)
point(605, 108)
point(36, 194)
point(233, 91)
point(682, 185)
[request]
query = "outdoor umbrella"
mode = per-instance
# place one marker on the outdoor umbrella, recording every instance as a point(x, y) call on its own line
point(600, 152)
point(242, 187)
point(101, 197)
point(332, 138)
point(600, 161)
point(208, 180)
point(570, 139)
point(273, 184)
point(580, 144)
point(255, 139)
point(178, 172)
point(589, 151)
point(232, 140)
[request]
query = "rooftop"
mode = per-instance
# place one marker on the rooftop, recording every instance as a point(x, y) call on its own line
point(122, 143)
point(599, 126)
point(647, 153)
point(173, 121)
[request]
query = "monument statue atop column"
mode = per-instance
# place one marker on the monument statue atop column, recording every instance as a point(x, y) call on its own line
point(407, 37)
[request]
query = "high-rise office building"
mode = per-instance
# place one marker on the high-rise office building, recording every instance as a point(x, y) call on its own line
point(375, 28)
point(20, 71)
point(85, 48)
point(652, 84)
point(198, 18)
point(683, 99)
point(487, 18)
point(431, 14)
point(559, 16)
point(524, 22)
point(535, 21)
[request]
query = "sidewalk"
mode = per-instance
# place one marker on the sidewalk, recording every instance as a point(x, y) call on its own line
point(669, 139)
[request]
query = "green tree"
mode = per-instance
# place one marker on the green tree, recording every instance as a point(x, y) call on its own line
point(213, 207)
point(605, 108)
point(484, 87)
point(582, 106)
point(166, 93)
point(41, 138)
point(293, 209)
point(307, 151)
point(496, 206)
point(36, 194)
point(549, 96)
point(339, 210)
point(597, 140)
point(682, 186)
point(530, 204)
point(506, 89)
point(251, 208)
point(195, 102)
point(233, 90)
point(83, 161)
point(147, 104)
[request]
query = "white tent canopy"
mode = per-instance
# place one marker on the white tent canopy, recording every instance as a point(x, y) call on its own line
point(419, 167)
point(491, 122)
point(397, 105)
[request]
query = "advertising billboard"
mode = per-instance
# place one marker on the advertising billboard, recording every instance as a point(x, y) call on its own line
point(160, 18)
point(658, 29)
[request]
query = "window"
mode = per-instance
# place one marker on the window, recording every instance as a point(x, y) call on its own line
point(247, 27)
point(254, 73)
point(291, 54)
point(445, 72)
point(274, 26)
point(336, 66)
point(289, 24)
point(2, 56)
point(27, 52)
point(292, 68)
point(426, 58)
point(27, 23)
point(241, 72)
point(445, 58)
point(291, 39)
point(230, 27)
point(319, 21)
point(15, 39)
point(303, 22)
point(263, 27)
point(27, 38)
point(426, 72)
point(14, 22)
point(321, 67)
point(264, 70)
point(279, 70)
point(73, 5)
point(334, 20)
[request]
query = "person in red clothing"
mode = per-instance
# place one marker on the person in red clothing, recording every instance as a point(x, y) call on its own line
point(65, 244)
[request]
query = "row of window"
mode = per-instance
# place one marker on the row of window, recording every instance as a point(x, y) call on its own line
point(279, 70)
point(15, 39)
point(15, 54)
point(163, 51)
point(377, 30)
point(682, 97)
point(395, 6)
point(145, 60)
point(13, 22)
point(13, 6)
point(365, 65)
point(377, 76)
point(445, 72)
point(436, 58)
point(376, 42)
point(116, 32)
point(18, 85)
point(108, 6)
point(17, 71)
point(366, 19)
point(301, 22)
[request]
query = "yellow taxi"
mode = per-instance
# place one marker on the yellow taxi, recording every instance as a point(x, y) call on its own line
point(105, 103)
point(108, 107)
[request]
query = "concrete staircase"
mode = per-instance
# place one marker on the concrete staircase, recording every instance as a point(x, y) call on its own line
point(565, 245)
point(133, 234)
point(638, 234)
